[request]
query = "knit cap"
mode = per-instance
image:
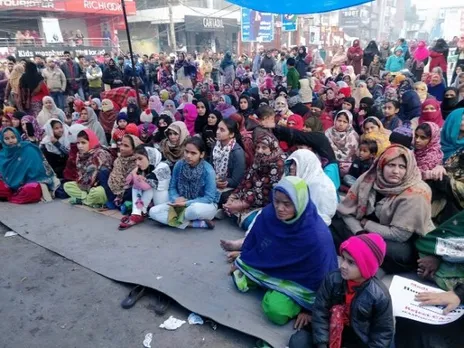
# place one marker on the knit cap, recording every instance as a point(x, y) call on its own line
point(367, 250)
point(122, 116)
point(146, 116)
point(402, 135)
point(132, 128)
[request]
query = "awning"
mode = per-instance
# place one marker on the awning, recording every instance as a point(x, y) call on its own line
point(297, 6)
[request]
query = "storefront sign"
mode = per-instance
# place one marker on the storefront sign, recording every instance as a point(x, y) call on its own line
point(257, 26)
point(59, 51)
point(289, 22)
point(202, 24)
point(104, 7)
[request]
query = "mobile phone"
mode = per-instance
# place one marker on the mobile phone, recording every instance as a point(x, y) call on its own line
point(29, 129)
point(210, 134)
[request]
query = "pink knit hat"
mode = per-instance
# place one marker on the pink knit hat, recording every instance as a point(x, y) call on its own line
point(368, 250)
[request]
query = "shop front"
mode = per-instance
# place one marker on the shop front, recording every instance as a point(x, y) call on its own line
point(218, 34)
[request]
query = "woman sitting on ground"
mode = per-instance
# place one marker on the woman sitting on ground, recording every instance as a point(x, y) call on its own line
point(32, 132)
point(288, 252)
point(254, 191)
point(23, 170)
point(93, 166)
point(208, 134)
point(164, 120)
point(452, 134)
point(228, 158)
point(49, 111)
point(344, 140)
point(123, 165)
point(305, 165)
point(56, 145)
point(193, 196)
point(389, 199)
point(172, 148)
point(88, 118)
point(150, 183)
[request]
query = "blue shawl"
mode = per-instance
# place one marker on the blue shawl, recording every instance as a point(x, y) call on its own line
point(301, 250)
point(437, 91)
point(411, 106)
point(450, 132)
point(21, 163)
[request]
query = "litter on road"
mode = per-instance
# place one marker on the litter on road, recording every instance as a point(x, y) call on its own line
point(172, 323)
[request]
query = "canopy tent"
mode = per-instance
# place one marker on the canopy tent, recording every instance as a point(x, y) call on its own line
point(297, 6)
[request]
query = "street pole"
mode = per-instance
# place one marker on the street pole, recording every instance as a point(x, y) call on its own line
point(172, 30)
point(131, 52)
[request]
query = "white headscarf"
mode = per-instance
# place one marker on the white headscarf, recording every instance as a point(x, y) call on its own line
point(161, 169)
point(93, 124)
point(321, 188)
point(74, 131)
point(64, 140)
point(45, 114)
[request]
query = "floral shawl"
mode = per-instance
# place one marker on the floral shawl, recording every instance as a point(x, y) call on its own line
point(344, 144)
point(430, 156)
point(171, 152)
point(411, 195)
point(265, 172)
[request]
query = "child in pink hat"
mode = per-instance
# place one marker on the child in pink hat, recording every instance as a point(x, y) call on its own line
point(353, 308)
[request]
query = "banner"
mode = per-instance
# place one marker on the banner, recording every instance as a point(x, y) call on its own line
point(59, 51)
point(257, 26)
point(51, 29)
point(289, 22)
point(403, 291)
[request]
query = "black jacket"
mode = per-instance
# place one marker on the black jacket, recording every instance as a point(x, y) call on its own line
point(371, 316)
point(111, 74)
point(267, 63)
point(359, 167)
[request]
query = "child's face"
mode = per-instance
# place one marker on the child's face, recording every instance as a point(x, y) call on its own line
point(122, 124)
point(173, 137)
point(48, 104)
point(348, 268)
point(389, 110)
point(421, 140)
point(58, 130)
point(346, 106)
point(364, 153)
point(83, 145)
point(141, 161)
point(342, 123)
point(398, 53)
point(227, 89)
point(9, 138)
point(376, 59)
point(243, 104)
point(94, 106)
point(330, 94)
point(15, 122)
point(6, 122)
point(125, 148)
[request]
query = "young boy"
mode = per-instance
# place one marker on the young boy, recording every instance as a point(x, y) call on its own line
point(353, 308)
point(395, 62)
point(293, 77)
point(367, 153)
point(118, 133)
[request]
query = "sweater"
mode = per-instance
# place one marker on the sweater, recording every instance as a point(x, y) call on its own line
point(55, 79)
point(394, 63)
point(293, 79)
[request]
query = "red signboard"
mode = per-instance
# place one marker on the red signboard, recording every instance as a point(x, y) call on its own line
point(99, 7)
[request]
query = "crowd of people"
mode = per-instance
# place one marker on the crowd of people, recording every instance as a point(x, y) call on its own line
point(359, 155)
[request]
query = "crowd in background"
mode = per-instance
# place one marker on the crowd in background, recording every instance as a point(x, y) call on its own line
point(359, 153)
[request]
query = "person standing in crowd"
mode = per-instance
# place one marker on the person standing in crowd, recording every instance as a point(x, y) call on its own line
point(268, 63)
point(113, 76)
point(74, 74)
point(56, 82)
point(302, 61)
point(439, 58)
point(94, 77)
point(32, 90)
point(293, 77)
point(150, 71)
point(370, 52)
point(355, 56)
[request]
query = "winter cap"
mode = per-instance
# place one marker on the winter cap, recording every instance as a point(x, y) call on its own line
point(402, 135)
point(146, 116)
point(367, 250)
point(122, 116)
point(132, 128)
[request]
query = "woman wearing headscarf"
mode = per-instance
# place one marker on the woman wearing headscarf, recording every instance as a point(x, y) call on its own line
point(254, 191)
point(420, 60)
point(373, 129)
point(26, 177)
point(355, 56)
point(70, 170)
point(16, 121)
point(370, 52)
point(88, 118)
point(183, 68)
point(282, 110)
point(361, 91)
point(431, 112)
point(305, 165)
point(12, 90)
point(375, 89)
point(227, 68)
point(56, 144)
point(287, 252)
point(437, 86)
point(384, 53)
point(389, 199)
point(452, 133)
point(32, 90)
point(173, 146)
point(108, 115)
point(450, 102)
point(163, 122)
point(410, 106)
point(169, 105)
point(427, 148)
point(31, 130)
point(203, 111)
point(439, 57)
point(344, 140)
point(92, 161)
point(133, 111)
point(245, 106)
point(225, 107)
point(247, 139)
point(190, 115)
point(339, 59)
point(422, 91)
point(49, 111)
point(154, 103)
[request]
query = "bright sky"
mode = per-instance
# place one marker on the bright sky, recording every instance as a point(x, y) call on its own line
point(437, 4)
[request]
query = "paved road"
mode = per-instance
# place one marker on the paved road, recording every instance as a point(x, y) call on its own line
point(48, 301)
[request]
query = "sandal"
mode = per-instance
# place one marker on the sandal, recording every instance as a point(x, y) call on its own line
point(135, 295)
point(131, 221)
point(162, 305)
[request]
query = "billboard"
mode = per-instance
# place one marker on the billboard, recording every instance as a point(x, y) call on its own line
point(289, 22)
point(257, 26)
